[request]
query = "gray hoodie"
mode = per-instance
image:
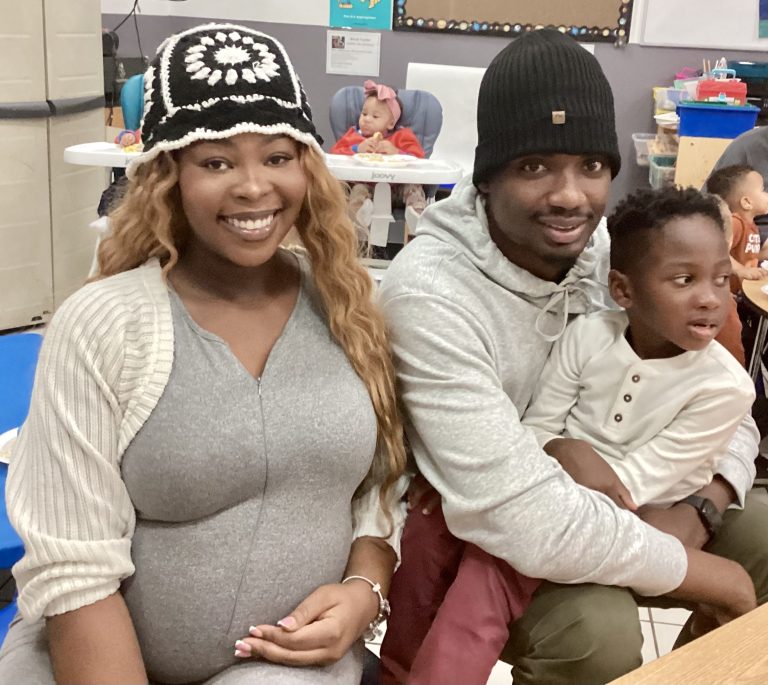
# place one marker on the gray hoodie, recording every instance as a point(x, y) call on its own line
point(470, 333)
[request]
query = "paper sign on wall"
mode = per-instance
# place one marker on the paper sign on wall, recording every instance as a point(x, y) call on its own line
point(361, 14)
point(352, 52)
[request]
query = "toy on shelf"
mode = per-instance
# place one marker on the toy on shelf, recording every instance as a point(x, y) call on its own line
point(129, 140)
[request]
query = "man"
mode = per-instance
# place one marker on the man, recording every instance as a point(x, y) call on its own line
point(473, 305)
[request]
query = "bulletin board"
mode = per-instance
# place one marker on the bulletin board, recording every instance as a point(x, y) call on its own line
point(588, 20)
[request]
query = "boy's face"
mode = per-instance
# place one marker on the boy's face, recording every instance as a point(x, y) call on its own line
point(376, 117)
point(677, 295)
point(542, 209)
point(754, 199)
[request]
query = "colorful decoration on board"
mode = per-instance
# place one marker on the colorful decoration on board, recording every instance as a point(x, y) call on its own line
point(404, 19)
point(361, 14)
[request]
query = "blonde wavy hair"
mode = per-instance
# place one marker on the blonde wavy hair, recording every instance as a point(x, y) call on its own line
point(149, 222)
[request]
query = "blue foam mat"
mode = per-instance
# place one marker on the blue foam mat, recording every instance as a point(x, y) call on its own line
point(18, 358)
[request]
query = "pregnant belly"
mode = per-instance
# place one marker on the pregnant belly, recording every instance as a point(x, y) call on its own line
point(199, 586)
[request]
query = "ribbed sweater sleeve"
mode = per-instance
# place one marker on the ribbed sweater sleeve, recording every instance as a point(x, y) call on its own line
point(103, 365)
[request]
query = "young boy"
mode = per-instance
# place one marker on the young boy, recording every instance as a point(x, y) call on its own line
point(622, 406)
point(648, 389)
point(743, 190)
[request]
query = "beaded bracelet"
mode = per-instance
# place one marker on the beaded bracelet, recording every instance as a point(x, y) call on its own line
point(374, 627)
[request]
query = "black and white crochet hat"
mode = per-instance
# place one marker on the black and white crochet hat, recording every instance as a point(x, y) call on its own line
point(215, 81)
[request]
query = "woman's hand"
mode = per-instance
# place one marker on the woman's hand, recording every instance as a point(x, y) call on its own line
point(319, 631)
point(589, 469)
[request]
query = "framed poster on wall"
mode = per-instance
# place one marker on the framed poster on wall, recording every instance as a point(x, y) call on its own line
point(361, 14)
point(588, 20)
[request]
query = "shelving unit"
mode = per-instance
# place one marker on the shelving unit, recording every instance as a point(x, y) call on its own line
point(51, 97)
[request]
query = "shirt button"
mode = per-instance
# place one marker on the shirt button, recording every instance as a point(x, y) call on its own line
point(618, 418)
point(635, 378)
point(627, 397)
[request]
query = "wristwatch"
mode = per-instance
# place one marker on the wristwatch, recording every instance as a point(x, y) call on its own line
point(708, 512)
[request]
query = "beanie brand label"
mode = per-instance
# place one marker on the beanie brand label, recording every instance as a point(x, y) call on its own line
point(558, 117)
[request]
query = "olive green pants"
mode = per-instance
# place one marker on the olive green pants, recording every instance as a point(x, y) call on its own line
point(584, 634)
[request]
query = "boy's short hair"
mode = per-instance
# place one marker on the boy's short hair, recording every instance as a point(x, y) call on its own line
point(640, 217)
point(726, 181)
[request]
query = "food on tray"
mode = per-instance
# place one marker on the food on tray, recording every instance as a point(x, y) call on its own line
point(370, 156)
point(380, 160)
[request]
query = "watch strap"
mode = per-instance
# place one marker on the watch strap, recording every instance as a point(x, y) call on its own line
point(708, 513)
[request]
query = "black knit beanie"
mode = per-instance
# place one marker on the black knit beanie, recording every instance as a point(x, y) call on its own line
point(215, 81)
point(543, 93)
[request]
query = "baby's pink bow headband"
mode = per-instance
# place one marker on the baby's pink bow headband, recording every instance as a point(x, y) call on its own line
point(385, 94)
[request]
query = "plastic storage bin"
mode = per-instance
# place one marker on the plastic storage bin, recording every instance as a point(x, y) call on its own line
point(661, 170)
point(641, 141)
point(715, 121)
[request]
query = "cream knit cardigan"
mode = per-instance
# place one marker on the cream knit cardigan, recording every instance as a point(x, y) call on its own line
point(104, 363)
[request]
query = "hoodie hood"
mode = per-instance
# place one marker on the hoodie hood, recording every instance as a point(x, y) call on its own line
point(460, 222)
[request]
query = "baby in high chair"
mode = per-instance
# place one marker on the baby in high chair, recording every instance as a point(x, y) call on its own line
point(377, 133)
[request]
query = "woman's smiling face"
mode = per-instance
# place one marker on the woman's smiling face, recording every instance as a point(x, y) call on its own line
point(241, 195)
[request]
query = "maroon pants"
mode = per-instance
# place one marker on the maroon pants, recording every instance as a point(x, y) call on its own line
point(451, 607)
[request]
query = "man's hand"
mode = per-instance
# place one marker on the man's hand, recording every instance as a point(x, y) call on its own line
point(680, 520)
point(683, 521)
point(721, 587)
point(589, 469)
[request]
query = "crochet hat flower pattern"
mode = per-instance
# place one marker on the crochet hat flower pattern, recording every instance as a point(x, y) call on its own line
point(218, 80)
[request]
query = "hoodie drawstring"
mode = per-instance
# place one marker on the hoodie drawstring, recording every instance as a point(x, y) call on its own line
point(563, 294)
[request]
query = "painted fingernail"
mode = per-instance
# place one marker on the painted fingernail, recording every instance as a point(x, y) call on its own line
point(242, 655)
point(241, 646)
point(253, 630)
point(287, 622)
